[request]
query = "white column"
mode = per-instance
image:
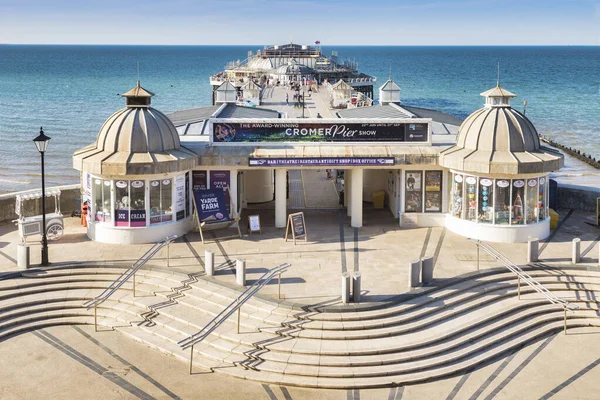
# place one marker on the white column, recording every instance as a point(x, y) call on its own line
point(280, 200)
point(233, 191)
point(348, 191)
point(356, 203)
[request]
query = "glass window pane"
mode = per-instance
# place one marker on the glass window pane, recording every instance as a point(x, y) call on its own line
point(166, 200)
point(138, 203)
point(518, 188)
point(541, 202)
point(414, 192)
point(122, 203)
point(457, 189)
point(433, 191)
point(532, 197)
point(98, 203)
point(486, 193)
point(155, 202)
point(502, 205)
point(470, 200)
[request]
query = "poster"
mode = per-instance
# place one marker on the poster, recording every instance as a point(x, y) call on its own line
point(179, 197)
point(210, 205)
point(220, 180)
point(433, 191)
point(433, 181)
point(254, 223)
point(414, 193)
point(199, 180)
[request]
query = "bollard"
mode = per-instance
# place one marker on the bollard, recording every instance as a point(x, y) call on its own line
point(240, 272)
point(356, 286)
point(414, 269)
point(533, 246)
point(209, 262)
point(345, 287)
point(427, 269)
point(23, 256)
point(576, 253)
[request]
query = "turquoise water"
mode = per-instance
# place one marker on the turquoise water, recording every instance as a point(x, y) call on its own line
point(71, 90)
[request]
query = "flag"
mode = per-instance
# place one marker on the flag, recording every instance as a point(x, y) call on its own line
point(317, 42)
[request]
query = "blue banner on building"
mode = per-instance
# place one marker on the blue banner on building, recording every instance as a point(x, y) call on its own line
point(210, 205)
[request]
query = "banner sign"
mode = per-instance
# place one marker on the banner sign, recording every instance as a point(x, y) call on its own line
point(210, 205)
point(220, 180)
point(319, 132)
point(320, 161)
point(121, 217)
point(138, 218)
point(199, 181)
point(179, 197)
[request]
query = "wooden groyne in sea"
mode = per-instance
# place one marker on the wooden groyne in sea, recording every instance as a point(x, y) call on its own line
point(586, 158)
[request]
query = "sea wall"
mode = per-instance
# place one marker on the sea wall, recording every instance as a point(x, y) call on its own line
point(581, 198)
point(69, 201)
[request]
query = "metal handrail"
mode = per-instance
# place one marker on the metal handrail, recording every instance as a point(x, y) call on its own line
point(234, 306)
point(514, 268)
point(124, 277)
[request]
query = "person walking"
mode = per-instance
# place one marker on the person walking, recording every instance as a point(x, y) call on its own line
point(287, 99)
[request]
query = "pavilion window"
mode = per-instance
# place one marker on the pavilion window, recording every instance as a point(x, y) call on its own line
point(470, 198)
point(502, 202)
point(532, 206)
point(102, 206)
point(541, 200)
point(122, 203)
point(518, 202)
point(485, 201)
point(161, 201)
point(457, 190)
point(138, 203)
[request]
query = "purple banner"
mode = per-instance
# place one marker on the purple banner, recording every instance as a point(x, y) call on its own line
point(199, 181)
point(122, 217)
point(220, 180)
point(138, 218)
point(321, 161)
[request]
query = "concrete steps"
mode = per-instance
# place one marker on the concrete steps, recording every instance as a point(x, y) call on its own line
point(440, 332)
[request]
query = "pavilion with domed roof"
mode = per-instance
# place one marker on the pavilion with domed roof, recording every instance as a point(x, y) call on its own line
point(136, 175)
point(499, 174)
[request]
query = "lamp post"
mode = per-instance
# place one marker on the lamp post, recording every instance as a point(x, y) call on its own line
point(303, 104)
point(41, 142)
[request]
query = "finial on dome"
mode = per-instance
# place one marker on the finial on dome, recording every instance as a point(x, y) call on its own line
point(498, 97)
point(138, 96)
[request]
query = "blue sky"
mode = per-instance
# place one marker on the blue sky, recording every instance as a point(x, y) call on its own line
point(333, 22)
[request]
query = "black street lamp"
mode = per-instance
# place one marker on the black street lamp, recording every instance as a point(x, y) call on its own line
point(41, 142)
point(303, 104)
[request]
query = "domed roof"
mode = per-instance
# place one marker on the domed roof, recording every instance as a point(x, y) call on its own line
point(498, 139)
point(137, 139)
point(293, 68)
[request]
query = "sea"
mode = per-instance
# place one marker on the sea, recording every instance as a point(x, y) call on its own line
point(71, 90)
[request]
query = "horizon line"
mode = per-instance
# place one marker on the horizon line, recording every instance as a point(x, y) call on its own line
point(327, 45)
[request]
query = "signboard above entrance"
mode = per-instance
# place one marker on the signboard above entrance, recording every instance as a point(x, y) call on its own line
point(320, 161)
point(278, 131)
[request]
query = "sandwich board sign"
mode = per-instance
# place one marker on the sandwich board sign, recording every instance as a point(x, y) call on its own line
point(254, 223)
point(296, 225)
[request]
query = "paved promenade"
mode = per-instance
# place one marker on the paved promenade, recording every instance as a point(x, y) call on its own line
point(77, 363)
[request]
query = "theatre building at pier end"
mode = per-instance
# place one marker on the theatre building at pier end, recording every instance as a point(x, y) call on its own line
point(485, 177)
